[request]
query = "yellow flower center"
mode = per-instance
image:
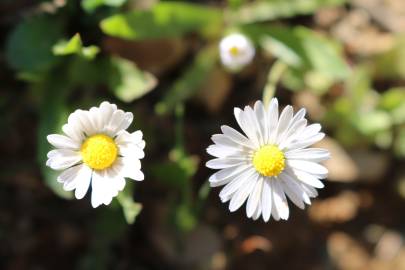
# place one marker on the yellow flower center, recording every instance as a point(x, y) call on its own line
point(269, 160)
point(99, 151)
point(234, 51)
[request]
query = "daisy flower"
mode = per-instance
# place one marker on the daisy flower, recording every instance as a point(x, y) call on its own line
point(97, 150)
point(236, 51)
point(270, 164)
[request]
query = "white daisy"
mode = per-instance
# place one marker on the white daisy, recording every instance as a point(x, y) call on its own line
point(269, 164)
point(96, 149)
point(236, 51)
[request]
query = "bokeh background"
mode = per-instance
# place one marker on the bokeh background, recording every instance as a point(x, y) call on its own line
point(342, 60)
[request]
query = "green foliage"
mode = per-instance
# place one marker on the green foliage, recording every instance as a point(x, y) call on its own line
point(264, 10)
point(91, 5)
point(190, 81)
point(165, 19)
point(127, 81)
point(130, 208)
point(315, 61)
point(28, 48)
point(75, 46)
point(53, 114)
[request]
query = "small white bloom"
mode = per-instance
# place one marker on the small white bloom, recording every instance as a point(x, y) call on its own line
point(236, 51)
point(269, 164)
point(97, 150)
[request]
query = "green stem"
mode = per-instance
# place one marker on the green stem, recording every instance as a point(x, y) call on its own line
point(273, 77)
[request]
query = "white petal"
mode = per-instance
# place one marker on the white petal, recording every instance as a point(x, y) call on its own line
point(308, 166)
point(309, 154)
point(311, 191)
point(240, 196)
point(266, 199)
point(272, 116)
point(221, 151)
point(237, 137)
point(254, 197)
point(256, 127)
point(261, 117)
point(246, 126)
point(74, 131)
point(237, 183)
point(284, 122)
point(99, 187)
point(280, 201)
point(86, 122)
point(61, 159)
point(258, 212)
point(131, 168)
point(306, 178)
point(292, 133)
point(222, 163)
point(293, 191)
point(302, 143)
point(224, 176)
point(69, 174)
point(310, 131)
point(83, 182)
point(64, 142)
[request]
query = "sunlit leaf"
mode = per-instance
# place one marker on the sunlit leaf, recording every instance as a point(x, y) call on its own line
point(29, 46)
point(391, 64)
point(75, 46)
point(264, 10)
point(92, 5)
point(372, 122)
point(130, 208)
point(128, 82)
point(393, 98)
point(165, 19)
point(399, 144)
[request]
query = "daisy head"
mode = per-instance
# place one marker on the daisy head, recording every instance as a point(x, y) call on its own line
point(236, 51)
point(269, 162)
point(96, 150)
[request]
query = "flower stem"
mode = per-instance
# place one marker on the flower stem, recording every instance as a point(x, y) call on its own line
point(273, 77)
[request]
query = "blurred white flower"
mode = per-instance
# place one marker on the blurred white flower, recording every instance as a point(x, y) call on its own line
point(269, 164)
point(96, 149)
point(236, 51)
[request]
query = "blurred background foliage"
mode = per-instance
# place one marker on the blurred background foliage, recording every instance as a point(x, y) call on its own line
point(342, 60)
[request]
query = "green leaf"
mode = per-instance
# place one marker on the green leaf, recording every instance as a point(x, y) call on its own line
point(29, 46)
point(165, 19)
point(91, 5)
point(322, 53)
point(130, 208)
point(75, 46)
point(190, 81)
point(372, 122)
point(358, 87)
point(316, 61)
point(53, 114)
point(399, 143)
point(391, 64)
point(265, 10)
point(128, 82)
point(393, 98)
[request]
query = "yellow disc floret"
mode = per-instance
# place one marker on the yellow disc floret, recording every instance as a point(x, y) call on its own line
point(269, 160)
point(99, 151)
point(234, 51)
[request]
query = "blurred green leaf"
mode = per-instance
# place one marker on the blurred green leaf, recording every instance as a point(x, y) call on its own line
point(127, 81)
point(91, 5)
point(190, 81)
point(165, 19)
point(372, 122)
point(322, 53)
point(29, 46)
point(393, 98)
point(185, 219)
point(178, 170)
point(53, 114)
point(75, 46)
point(316, 61)
point(130, 208)
point(264, 10)
point(358, 86)
point(399, 144)
point(391, 64)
